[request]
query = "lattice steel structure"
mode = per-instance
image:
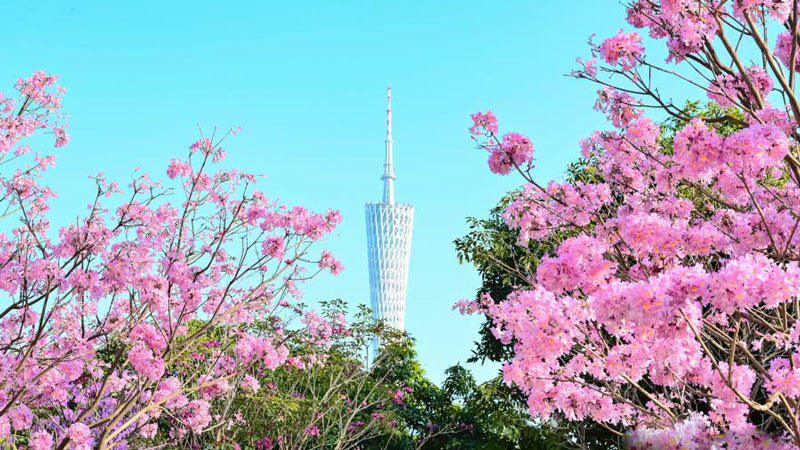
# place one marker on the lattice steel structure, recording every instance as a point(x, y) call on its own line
point(389, 227)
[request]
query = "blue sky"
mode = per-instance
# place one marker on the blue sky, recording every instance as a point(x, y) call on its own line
point(306, 81)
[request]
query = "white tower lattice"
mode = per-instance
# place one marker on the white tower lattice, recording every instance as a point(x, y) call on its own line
point(389, 227)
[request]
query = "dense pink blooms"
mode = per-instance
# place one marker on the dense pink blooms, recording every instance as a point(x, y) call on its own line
point(785, 377)
point(698, 150)
point(579, 264)
point(21, 417)
point(149, 431)
point(783, 49)
point(625, 49)
point(728, 90)
point(755, 148)
point(399, 395)
point(320, 329)
point(145, 362)
point(562, 204)
point(40, 440)
point(778, 9)
point(696, 432)
point(168, 392)
point(273, 247)
point(80, 436)
point(518, 148)
point(685, 25)
point(514, 151)
point(197, 415)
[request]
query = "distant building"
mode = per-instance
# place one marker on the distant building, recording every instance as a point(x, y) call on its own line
point(389, 245)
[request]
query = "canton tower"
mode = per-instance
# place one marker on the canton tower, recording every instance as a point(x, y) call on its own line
point(389, 245)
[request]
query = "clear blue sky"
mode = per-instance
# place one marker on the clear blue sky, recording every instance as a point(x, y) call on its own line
point(306, 81)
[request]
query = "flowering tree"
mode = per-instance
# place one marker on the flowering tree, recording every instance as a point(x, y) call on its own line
point(326, 397)
point(98, 319)
point(668, 311)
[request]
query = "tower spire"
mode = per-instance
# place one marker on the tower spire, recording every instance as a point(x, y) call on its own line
point(388, 171)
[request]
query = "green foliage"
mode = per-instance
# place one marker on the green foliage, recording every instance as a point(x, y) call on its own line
point(461, 414)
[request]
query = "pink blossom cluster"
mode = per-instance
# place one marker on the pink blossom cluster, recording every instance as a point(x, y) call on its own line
point(327, 261)
point(560, 205)
point(466, 307)
point(36, 109)
point(513, 151)
point(776, 9)
point(686, 24)
point(580, 264)
point(312, 430)
point(698, 150)
point(623, 49)
point(250, 347)
point(784, 377)
point(696, 433)
point(621, 107)
point(783, 50)
point(483, 124)
point(399, 395)
point(728, 90)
